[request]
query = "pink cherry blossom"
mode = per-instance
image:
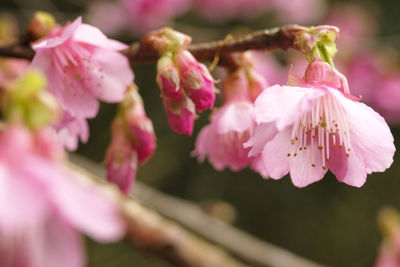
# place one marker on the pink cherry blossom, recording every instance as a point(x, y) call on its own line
point(313, 125)
point(196, 80)
point(82, 66)
point(43, 206)
point(231, 126)
point(146, 15)
point(222, 140)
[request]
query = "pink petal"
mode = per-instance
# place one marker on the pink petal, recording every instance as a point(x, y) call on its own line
point(302, 171)
point(88, 210)
point(113, 75)
point(263, 133)
point(91, 35)
point(61, 245)
point(237, 117)
point(284, 105)
point(75, 98)
point(370, 135)
point(59, 39)
point(257, 165)
point(21, 197)
point(274, 155)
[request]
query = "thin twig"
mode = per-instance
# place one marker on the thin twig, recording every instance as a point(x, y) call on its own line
point(246, 248)
point(282, 37)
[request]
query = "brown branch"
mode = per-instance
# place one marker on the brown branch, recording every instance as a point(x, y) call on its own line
point(171, 241)
point(282, 37)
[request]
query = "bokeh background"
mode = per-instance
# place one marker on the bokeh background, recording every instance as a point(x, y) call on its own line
point(328, 222)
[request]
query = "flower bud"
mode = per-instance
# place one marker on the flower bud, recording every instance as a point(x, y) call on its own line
point(181, 114)
point(41, 24)
point(197, 80)
point(167, 40)
point(121, 160)
point(139, 127)
point(168, 77)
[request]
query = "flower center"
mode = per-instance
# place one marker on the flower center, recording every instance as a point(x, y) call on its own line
point(323, 126)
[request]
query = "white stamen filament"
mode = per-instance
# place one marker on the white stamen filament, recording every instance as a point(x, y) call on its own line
point(324, 122)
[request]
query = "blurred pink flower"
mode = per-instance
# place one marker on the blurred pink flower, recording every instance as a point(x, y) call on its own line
point(386, 98)
point(356, 24)
point(108, 16)
point(146, 15)
point(313, 125)
point(82, 66)
point(222, 140)
point(222, 10)
point(299, 11)
point(42, 206)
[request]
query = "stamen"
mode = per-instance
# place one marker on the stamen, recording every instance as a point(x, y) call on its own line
point(327, 118)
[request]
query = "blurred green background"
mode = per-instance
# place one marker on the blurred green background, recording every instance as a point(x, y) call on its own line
point(328, 222)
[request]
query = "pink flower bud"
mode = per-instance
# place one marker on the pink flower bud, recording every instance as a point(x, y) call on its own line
point(181, 114)
point(168, 77)
point(121, 160)
point(139, 128)
point(196, 80)
point(167, 40)
point(319, 71)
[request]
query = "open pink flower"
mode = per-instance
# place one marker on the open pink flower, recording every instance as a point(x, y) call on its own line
point(222, 140)
point(313, 125)
point(82, 66)
point(43, 206)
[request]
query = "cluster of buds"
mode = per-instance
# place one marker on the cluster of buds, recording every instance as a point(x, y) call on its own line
point(133, 140)
point(185, 83)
